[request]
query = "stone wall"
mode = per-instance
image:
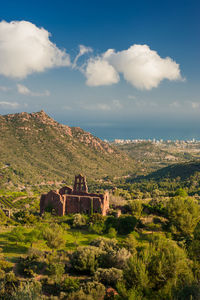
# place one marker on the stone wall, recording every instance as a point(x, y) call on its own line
point(68, 201)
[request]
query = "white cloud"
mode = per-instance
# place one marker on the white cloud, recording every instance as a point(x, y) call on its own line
point(175, 104)
point(195, 105)
point(100, 72)
point(117, 104)
point(140, 66)
point(22, 89)
point(131, 97)
point(114, 105)
point(6, 104)
point(25, 48)
point(4, 88)
point(82, 51)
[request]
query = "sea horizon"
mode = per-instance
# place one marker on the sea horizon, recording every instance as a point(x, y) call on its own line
point(111, 134)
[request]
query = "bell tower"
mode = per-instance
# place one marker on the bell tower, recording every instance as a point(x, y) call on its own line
point(80, 184)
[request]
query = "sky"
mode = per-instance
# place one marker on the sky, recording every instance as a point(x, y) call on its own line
point(119, 69)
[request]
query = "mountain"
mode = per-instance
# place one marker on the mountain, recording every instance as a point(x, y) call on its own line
point(34, 148)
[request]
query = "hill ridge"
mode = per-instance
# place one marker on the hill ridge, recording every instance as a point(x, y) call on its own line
point(38, 148)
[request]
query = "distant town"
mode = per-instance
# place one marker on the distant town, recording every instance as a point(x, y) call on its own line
point(154, 141)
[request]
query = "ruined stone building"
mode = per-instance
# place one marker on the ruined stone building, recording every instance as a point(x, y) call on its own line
point(76, 200)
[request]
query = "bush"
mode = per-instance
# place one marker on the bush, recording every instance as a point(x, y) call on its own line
point(136, 208)
point(114, 258)
point(96, 218)
point(28, 290)
point(70, 285)
point(123, 224)
point(79, 221)
point(85, 259)
point(159, 269)
point(108, 276)
point(56, 271)
point(112, 233)
point(105, 244)
point(30, 265)
point(54, 236)
point(126, 224)
point(131, 243)
point(96, 228)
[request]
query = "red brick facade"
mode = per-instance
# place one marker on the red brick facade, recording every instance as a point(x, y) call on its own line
point(77, 200)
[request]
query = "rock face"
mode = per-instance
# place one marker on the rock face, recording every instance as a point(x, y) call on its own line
point(77, 200)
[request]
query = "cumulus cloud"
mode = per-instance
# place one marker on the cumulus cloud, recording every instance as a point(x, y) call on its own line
point(22, 89)
point(140, 66)
point(100, 72)
point(6, 104)
point(82, 51)
point(25, 48)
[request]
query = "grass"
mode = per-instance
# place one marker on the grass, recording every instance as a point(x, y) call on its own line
point(73, 238)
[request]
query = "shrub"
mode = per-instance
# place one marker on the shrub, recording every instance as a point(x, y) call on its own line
point(70, 285)
point(56, 271)
point(28, 290)
point(123, 224)
point(159, 269)
point(105, 244)
point(79, 221)
point(114, 258)
point(136, 208)
point(96, 218)
point(54, 236)
point(108, 276)
point(126, 224)
point(80, 295)
point(96, 228)
point(112, 233)
point(94, 289)
point(30, 265)
point(131, 243)
point(85, 259)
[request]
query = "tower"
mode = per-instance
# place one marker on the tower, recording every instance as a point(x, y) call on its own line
point(80, 184)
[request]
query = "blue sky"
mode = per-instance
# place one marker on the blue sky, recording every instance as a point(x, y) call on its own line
point(112, 94)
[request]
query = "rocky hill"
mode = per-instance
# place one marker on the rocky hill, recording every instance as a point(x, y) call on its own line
point(36, 149)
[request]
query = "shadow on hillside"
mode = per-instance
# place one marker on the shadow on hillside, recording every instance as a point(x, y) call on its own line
point(13, 248)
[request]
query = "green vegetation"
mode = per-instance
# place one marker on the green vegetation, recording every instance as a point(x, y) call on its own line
point(147, 247)
point(45, 152)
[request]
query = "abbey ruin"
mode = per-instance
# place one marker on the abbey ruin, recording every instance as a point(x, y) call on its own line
point(76, 200)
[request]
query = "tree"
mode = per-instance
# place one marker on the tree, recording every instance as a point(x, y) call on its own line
point(136, 208)
point(183, 214)
point(54, 236)
point(159, 269)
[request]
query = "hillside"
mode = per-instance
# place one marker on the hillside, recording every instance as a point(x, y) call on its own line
point(36, 149)
point(153, 156)
point(182, 170)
